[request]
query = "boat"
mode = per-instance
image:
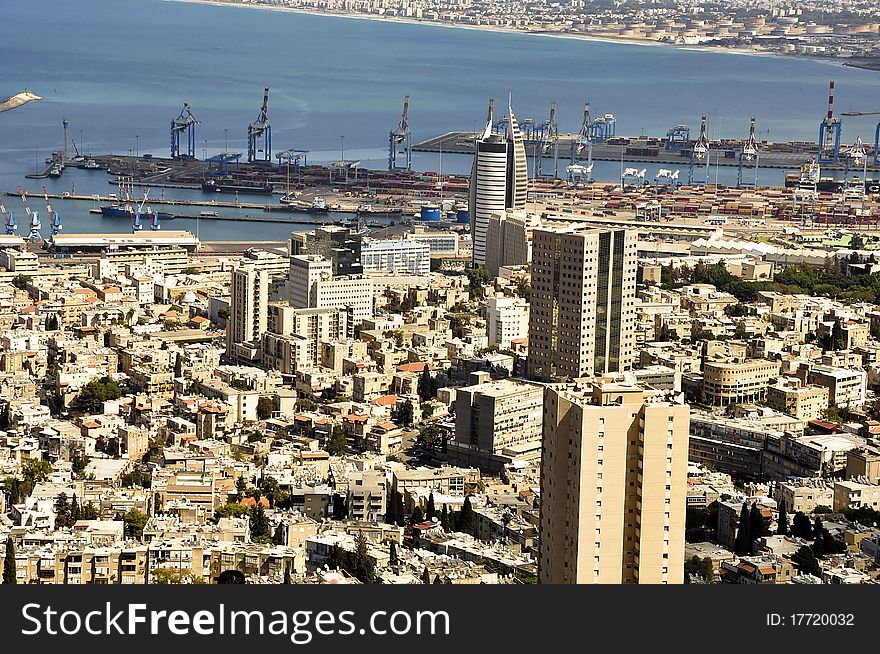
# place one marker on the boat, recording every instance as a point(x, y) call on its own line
point(55, 170)
point(379, 212)
point(318, 206)
point(208, 214)
point(231, 186)
point(122, 211)
point(91, 164)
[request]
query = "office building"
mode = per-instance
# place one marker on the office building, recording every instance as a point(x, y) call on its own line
point(407, 256)
point(582, 318)
point(340, 245)
point(249, 306)
point(499, 179)
point(305, 270)
point(737, 381)
point(613, 484)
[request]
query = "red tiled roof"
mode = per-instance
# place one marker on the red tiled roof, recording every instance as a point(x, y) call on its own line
point(251, 502)
point(417, 366)
point(385, 400)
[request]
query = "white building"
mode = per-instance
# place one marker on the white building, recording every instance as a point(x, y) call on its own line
point(407, 256)
point(507, 318)
point(305, 270)
point(249, 305)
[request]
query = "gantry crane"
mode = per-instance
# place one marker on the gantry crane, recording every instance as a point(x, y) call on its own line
point(579, 170)
point(547, 134)
point(53, 215)
point(700, 152)
point(8, 220)
point(400, 136)
point(749, 156)
point(260, 134)
point(829, 133)
point(185, 123)
point(34, 219)
point(876, 131)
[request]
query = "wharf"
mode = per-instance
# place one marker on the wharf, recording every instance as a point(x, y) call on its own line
point(719, 155)
point(168, 201)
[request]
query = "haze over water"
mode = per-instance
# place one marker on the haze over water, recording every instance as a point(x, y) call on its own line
point(117, 70)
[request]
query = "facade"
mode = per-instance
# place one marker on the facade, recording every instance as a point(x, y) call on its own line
point(339, 245)
point(737, 381)
point(804, 495)
point(863, 462)
point(804, 402)
point(249, 306)
point(305, 270)
point(407, 256)
point(582, 317)
point(846, 388)
point(613, 484)
point(352, 293)
point(507, 318)
point(855, 494)
point(499, 180)
point(509, 239)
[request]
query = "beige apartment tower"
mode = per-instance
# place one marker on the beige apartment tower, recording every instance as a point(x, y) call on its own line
point(613, 484)
point(249, 306)
point(582, 316)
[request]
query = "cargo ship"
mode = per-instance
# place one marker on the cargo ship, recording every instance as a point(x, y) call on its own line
point(121, 211)
point(810, 175)
point(229, 186)
point(379, 212)
point(318, 206)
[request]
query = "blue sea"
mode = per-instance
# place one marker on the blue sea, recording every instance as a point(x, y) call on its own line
point(120, 72)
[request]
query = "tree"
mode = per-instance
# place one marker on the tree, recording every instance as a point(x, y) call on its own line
point(178, 370)
point(426, 576)
point(230, 511)
point(51, 323)
point(467, 518)
point(4, 417)
point(697, 567)
point(74, 511)
point(337, 441)
point(857, 242)
point(743, 544)
point(89, 511)
point(405, 414)
point(401, 514)
point(444, 519)
point(757, 528)
point(287, 579)
point(21, 281)
point(801, 527)
point(265, 407)
point(362, 566)
point(427, 410)
point(9, 562)
point(806, 561)
point(92, 396)
point(782, 521)
point(340, 508)
point(259, 522)
point(425, 387)
point(429, 508)
point(62, 511)
point(270, 489)
point(391, 508)
point(135, 521)
point(392, 554)
point(417, 516)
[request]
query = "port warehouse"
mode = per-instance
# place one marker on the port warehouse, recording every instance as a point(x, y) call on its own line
point(97, 243)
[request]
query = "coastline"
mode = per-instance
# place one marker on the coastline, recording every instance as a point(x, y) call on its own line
point(747, 51)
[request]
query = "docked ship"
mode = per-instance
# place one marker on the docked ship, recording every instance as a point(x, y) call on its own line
point(318, 206)
point(231, 186)
point(369, 211)
point(122, 211)
point(810, 176)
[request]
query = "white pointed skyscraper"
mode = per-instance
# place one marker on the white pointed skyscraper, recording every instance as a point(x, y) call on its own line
point(499, 178)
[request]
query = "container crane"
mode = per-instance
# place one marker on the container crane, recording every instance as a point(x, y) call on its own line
point(547, 133)
point(34, 219)
point(53, 215)
point(8, 220)
point(829, 133)
point(260, 134)
point(876, 131)
point(400, 136)
point(749, 156)
point(700, 152)
point(579, 170)
point(184, 124)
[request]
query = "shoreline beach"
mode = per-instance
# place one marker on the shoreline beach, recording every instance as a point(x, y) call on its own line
point(747, 51)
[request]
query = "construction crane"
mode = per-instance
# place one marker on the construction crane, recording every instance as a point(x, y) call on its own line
point(829, 133)
point(748, 156)
point(53, 215)
point(260, 134)
point(185, 123)
point(8, 220)
point(34, 219)
point(400, 136)
point(700, 152)
point(876, 132)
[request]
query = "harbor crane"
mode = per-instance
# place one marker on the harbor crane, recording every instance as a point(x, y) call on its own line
point(579, 170)
point(633, 177)
point(260, 134)
point(853, 190)
point(749, 157)
point(829, 133)
point(700, 152)
point(678, 138)
point(400, 136)
point(53, 215)
point(184, 124)
point(35, 226)
point(876, 132)
point(546, 136)
point(8, 220)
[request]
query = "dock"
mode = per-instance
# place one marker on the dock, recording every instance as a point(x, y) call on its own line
point(643, 150)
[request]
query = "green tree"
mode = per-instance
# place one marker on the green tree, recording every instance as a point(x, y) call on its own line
point(392, 554)
point(4, 417)
point(89, 511)
point(391, 508)
point(477, 278)
point(337, 441)
point(427, 410)
point(265, 407)
point(135, 521)
point(782, 521)
point(425, 386)
point(757, 527)
point(9, 562)
point(259, 522)
point(62, 511)
point(429, 508)
point(444, 519)
point(801, 527)
point(362, 566)
point(21, 281)
point(743, 544)
point(417, 516)
point(74, 511)
point(467, 518)
point(697, 567)
point(92, 396)
point(405, 414)
point(51, 322)
point(231, 510)
point(426, 576)
point(287, 579)
point(806, 561)
point(178, 369)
